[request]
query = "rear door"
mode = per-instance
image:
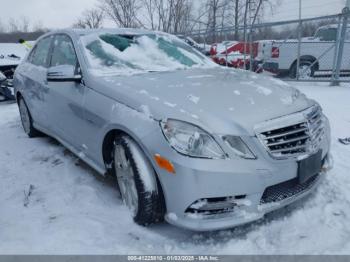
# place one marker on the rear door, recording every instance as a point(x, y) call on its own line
point(65, 99)
point(33, 74)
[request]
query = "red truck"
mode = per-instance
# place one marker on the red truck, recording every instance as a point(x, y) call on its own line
point(234, 54)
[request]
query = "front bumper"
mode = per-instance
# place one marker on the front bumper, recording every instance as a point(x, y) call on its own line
point(242, 181)
point(247, 211)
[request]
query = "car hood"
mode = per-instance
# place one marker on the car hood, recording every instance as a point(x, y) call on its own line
point(219, 99)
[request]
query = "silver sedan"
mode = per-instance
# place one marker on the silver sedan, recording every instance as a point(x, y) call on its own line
point(203, 146)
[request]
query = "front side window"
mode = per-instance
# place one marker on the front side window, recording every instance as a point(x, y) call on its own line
point(347, 36)
point(39, 55)
point(115, 53)
point(329, 34)
point(63, 52)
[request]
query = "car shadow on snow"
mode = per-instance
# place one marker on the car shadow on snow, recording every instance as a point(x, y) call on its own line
point(7, 102)
point(105, 180)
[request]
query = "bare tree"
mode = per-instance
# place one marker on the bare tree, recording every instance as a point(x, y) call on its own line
point(218, 12)
point(24, 24)
point(182, 16)
point(13, 25)
point(182, 11)
point(173, 16)
point(91, 18)
point(150, 14)
point(185, 16)
point(239, 8)
point(122, 12)
point(19, 25)
point(2, 27)
point(213, 11)
point(38, 26)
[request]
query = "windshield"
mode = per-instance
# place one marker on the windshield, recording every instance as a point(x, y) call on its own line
point(115, 53)
point(329, 34)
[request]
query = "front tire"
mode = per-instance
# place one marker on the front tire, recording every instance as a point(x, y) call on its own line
point(137, 182)
point(27, 120)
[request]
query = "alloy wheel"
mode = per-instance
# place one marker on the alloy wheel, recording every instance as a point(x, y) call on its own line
point(126, 179)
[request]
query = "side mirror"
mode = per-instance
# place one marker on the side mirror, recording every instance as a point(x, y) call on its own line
point(63, 73)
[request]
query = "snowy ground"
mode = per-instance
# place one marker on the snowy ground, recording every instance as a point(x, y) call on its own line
point(71, 210)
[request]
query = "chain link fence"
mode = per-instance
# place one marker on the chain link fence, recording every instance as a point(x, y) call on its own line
point(315, 49)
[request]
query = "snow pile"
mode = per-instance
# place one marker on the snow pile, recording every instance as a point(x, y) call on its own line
point(52, 203)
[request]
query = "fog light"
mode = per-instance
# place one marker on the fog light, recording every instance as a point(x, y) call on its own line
point(218, 205)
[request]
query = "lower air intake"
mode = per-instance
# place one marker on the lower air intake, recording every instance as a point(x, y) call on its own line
point(286, 190)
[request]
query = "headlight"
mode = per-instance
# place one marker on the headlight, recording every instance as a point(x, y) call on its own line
point(191, 140)
point(239, 147)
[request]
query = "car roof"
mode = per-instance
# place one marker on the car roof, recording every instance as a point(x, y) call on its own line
point(123, 31)
point(85, 32)
point(333, 26)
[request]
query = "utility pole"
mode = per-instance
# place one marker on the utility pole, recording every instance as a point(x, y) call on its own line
point(236, 19)
point(340, 43)
point(250, 35)
point(254, 18)
point(247, 4)
point(250, 8)
point(299, 42)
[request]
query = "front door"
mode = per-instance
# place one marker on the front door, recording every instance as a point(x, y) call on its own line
point(65, 99)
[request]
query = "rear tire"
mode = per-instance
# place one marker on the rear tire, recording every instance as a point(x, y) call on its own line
point(27, 120)
point(306, 70)
point(137, 182)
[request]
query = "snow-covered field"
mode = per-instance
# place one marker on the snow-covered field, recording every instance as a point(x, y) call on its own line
point(52, 203)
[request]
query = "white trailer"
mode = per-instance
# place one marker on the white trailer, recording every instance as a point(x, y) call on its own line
point(317, 54)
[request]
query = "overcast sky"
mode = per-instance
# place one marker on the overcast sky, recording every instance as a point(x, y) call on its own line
point(63, 13)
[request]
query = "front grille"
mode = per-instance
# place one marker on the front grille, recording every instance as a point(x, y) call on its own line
point(302, 137)
point(286, 190)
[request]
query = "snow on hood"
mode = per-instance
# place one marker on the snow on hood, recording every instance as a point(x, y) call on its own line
point(220, 99)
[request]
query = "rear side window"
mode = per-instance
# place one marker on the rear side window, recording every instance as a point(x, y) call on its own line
point(40, 54)
point(63, 52)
